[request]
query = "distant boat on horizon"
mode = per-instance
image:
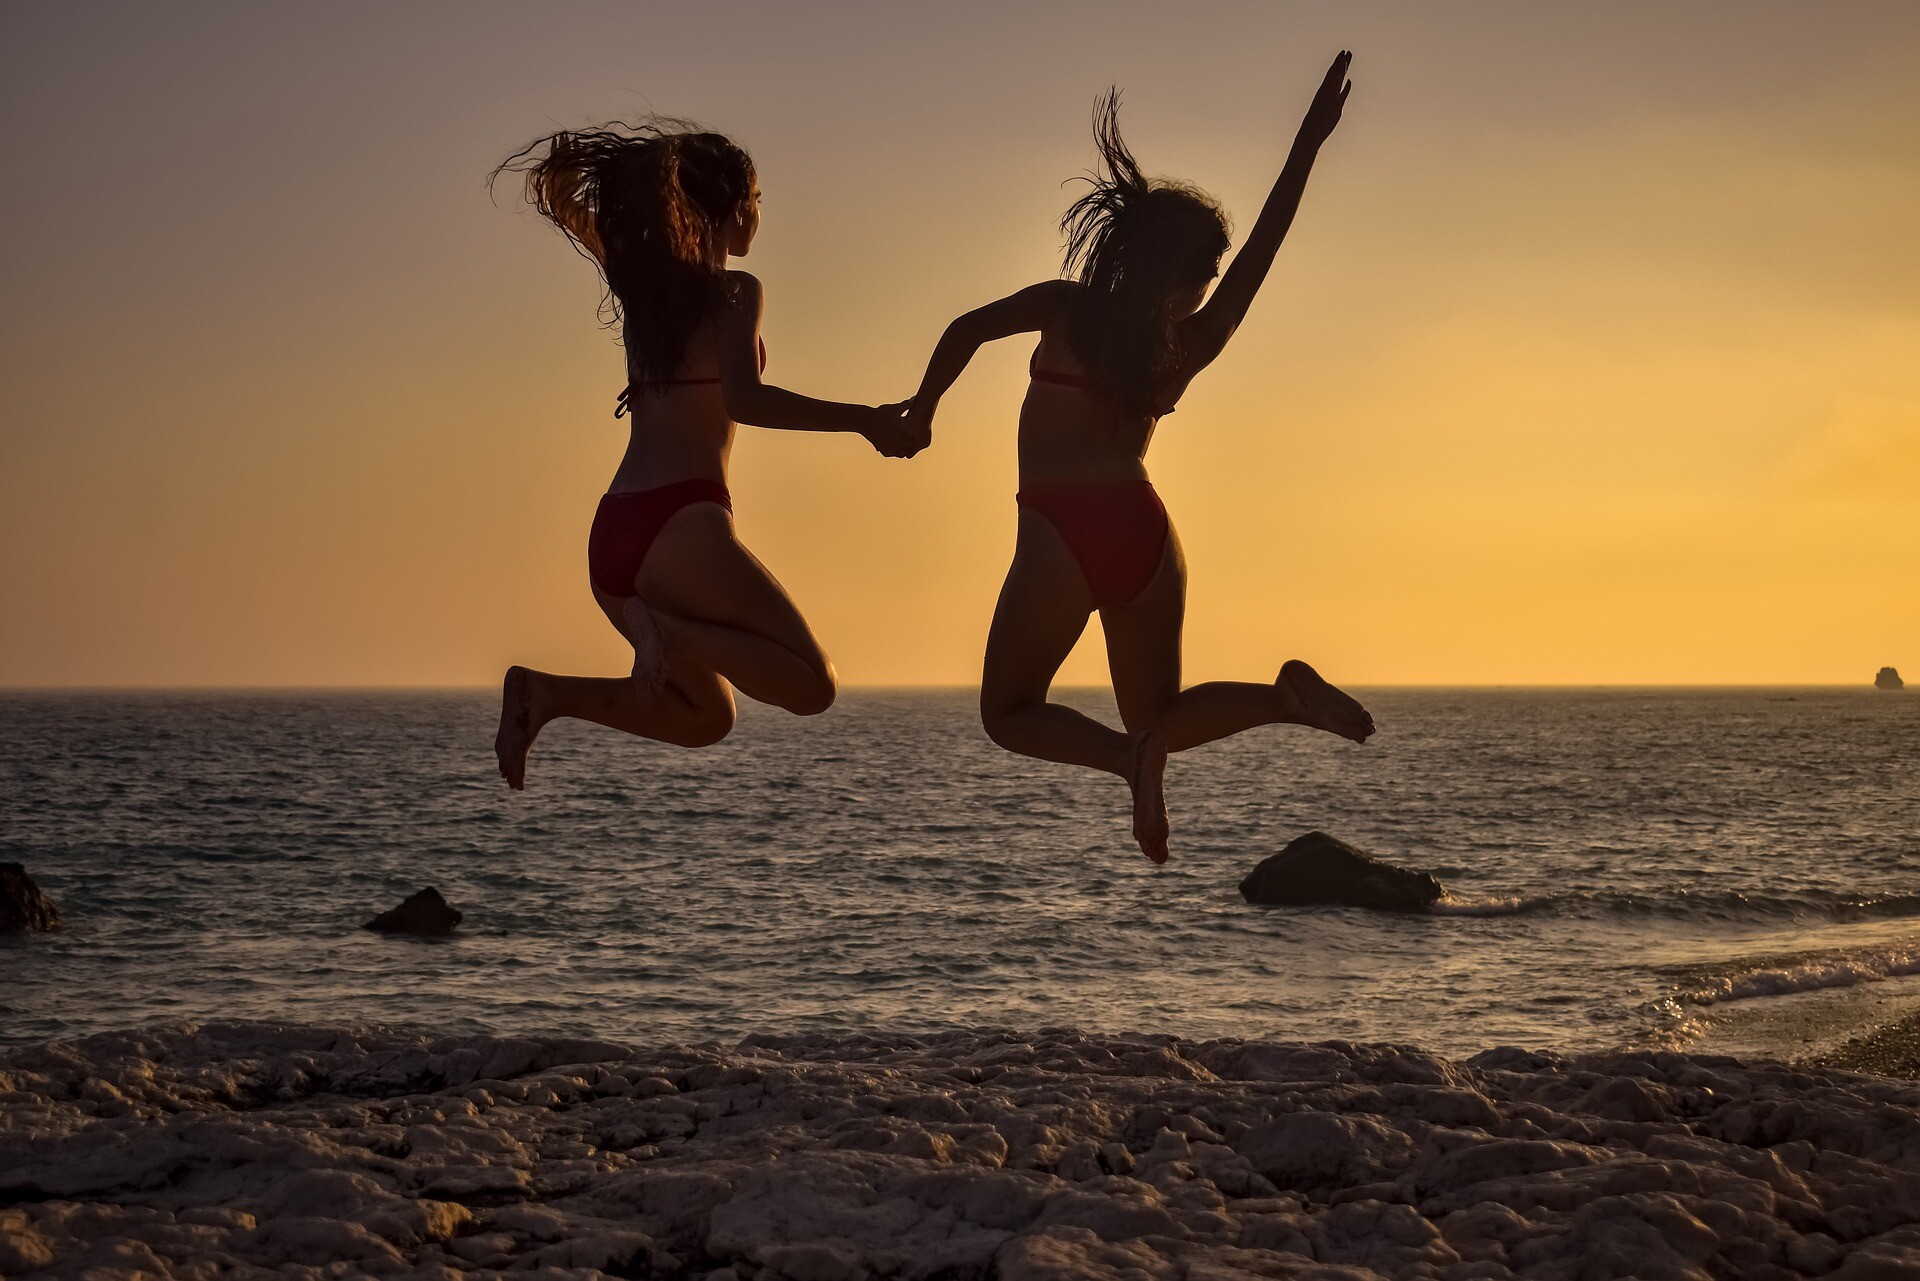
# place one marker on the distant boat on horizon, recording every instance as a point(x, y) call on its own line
point(1888, 679)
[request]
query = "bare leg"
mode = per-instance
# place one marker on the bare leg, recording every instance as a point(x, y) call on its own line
point(704, 609)
point(514, 739)
point(694, 709)
point(717, 607)
point(1322, 705)
point(1043, 608)
point(696, 717)
point(1148, 782)
point(1056, 732)
point(1143, 648)
point(1143, 657)
point(641, 626)
point(1220, 709)
point(761, 668)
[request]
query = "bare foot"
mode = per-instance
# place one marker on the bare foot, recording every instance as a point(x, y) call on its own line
point(1149, 798)
point(1322, 706)
point(515, 738)
point(649, 647)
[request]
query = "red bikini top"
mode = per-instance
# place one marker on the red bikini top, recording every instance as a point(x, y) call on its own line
point(625, 401)
point(1077, 382)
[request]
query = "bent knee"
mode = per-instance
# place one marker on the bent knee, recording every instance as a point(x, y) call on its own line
point(706, 729)
point(997, 731)
point(1141, 717)
point(817, 696)
point(997, 717)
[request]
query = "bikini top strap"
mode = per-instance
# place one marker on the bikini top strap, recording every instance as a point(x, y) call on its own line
point(1076, 381)
point(1063, 380)
point(1079, 382)
point(624, 405)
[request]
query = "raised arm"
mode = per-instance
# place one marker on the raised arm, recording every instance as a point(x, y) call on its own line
point(1028, 311)
point(759, 404)
point(1205, 333)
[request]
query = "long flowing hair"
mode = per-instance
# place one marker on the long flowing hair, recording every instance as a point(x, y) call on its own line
point(649, 204)
point(1134, 243)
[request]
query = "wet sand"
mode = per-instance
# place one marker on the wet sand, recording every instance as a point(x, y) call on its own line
point(1872, 1027)
point(228, 1149)
point(1893, 1049)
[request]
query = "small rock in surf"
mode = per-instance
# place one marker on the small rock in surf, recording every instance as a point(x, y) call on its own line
point(1317, 868)
point(1888, 679)
point(23, 908)
point(424, 913)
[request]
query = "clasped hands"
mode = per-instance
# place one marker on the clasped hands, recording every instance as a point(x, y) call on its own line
point(899, 430)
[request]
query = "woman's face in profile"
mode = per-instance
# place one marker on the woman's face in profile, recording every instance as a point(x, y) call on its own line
point(746, 223)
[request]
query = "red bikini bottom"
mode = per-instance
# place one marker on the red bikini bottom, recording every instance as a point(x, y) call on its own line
point(1117, 533)
point(625, 526)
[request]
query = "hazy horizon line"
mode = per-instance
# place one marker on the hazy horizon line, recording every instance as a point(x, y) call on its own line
point(930, 687)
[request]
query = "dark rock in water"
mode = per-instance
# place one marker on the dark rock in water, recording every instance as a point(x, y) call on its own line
point(1888, 679)
point(1316, 868)
point(422, 913)
point(23, 908)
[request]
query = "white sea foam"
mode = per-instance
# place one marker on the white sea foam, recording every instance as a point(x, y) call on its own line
point(976, 1154)
point(1451, 904)
point(1713, 906)
point(1805, 976)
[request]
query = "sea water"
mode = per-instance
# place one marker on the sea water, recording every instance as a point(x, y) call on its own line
point(1620, 863)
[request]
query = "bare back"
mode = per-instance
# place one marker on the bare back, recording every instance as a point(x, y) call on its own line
point(680, 431)
point(1079, 435)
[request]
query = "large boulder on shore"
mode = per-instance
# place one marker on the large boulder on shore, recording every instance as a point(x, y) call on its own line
point(425, 913)
point(1317, 868)
point(23, 908)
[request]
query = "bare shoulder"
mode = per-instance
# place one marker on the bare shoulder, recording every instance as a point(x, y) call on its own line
point(1034, 308)
point(1053, 301)
point(745, 289)
point(741, 303)
point(1057, 293)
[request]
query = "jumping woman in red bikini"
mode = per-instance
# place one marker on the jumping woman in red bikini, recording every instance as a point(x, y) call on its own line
point(1118, 346)
point(658, 208)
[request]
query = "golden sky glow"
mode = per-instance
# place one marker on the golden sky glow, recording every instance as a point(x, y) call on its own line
point(1594, 355)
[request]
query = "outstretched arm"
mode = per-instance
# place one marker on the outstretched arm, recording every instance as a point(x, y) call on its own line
point(759, 404)
point(1205, 333)
point(1027, 311)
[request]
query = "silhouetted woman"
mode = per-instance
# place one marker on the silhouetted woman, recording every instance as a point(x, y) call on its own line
point(1118, 347)
point(659, 207)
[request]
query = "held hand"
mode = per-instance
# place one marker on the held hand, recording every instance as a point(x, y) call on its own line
point(889, 431)
point(1324, 114)
point(920, 421)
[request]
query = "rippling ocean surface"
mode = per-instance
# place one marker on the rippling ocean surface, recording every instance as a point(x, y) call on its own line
point(1621, 863)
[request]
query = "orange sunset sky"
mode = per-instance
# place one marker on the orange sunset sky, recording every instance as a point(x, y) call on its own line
point(1593, 357)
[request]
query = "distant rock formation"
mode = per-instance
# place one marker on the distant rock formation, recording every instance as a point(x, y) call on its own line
point(425, 913)
point(1888, 679)
point(1317, 868)
point(23, 908)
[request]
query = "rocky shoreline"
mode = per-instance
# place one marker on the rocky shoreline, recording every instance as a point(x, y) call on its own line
point(1892, 1049)
point(245, 1148)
